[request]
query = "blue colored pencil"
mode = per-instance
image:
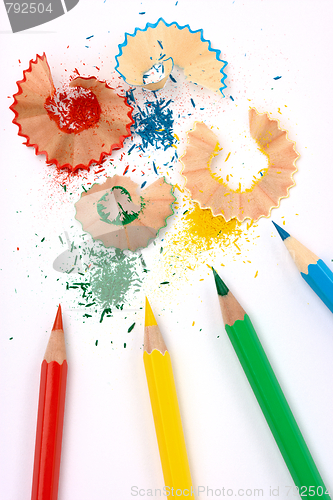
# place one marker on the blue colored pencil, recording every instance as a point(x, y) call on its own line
point(312, 268)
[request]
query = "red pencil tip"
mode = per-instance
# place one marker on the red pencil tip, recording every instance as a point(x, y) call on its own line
point(58, 321)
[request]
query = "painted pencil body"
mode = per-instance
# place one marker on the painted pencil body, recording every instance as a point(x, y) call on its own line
point(50, 417)
point(164, 403)
point(269, 395)
point(313, 270)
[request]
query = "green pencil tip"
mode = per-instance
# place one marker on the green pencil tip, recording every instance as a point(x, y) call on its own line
point(221, 287)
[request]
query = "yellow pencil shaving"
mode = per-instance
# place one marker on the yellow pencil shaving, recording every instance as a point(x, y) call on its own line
point(227, 158)
point(180, 189)
point(149, 315)
point(256, 274)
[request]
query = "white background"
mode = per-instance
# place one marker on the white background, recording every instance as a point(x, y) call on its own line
point(109, 442)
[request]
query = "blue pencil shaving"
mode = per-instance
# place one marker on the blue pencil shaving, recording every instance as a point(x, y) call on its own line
point(232, 98)
point(88, 37)
point(160, 44)
point(141, 13)
point(193, 103)
point(155, 169)
point(131, 148)
point(277, 77)
point(143, 184)
point(172, 79)
point(153, 122)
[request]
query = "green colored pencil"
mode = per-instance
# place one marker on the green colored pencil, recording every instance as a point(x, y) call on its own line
point(270, 396)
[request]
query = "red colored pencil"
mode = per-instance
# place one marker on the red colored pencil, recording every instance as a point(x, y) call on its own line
point(50, 416)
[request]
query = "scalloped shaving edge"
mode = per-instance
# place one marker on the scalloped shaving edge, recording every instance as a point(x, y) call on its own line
point(265, 194)
point(71, 151)
point(157, 200)
point(161, 41)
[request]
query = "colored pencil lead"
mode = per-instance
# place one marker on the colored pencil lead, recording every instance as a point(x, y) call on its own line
point(221, 287)
point(149, 315)
point(284, 235)
point(58, 320)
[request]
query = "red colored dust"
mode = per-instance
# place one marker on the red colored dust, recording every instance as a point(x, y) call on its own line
point(75, 110)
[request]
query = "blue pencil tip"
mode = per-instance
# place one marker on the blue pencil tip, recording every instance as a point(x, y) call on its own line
point(284, 235)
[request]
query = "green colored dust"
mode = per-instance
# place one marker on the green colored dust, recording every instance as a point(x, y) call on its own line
point(108, 280)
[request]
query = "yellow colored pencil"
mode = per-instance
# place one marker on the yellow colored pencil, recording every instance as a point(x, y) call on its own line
point(164, 403)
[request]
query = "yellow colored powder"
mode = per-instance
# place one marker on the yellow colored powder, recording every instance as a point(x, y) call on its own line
point(202, 230)
point(198, 237)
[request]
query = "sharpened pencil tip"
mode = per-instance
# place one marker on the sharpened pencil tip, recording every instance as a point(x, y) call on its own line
point(58, 320)
point(221, 287)
point(149, 315)
point(284, 235)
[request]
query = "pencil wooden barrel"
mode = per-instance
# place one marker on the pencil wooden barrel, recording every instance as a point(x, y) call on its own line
point(275, 408)
point(50, 417)
point(165, 408)
point(269, 395)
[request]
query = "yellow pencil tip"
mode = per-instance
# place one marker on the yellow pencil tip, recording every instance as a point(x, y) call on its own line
point(149, 316)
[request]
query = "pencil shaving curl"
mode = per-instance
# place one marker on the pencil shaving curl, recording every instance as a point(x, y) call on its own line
point(163, 44)
point(115, 214)
point(264, 194)
point(103, 118)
